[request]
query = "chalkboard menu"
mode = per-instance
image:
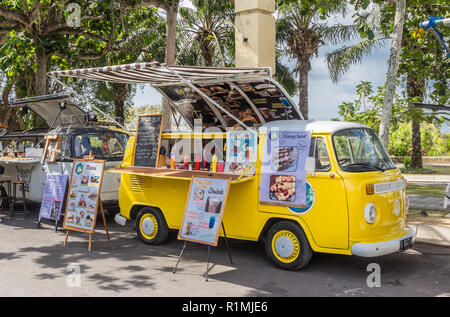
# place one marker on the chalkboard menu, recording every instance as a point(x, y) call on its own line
point(148, 139)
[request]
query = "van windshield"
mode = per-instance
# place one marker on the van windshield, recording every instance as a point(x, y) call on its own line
point(107, 145)
point(360, 150)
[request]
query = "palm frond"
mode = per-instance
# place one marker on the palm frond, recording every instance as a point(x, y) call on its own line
point(338, 33)
point(286, 78)
point(340, 60)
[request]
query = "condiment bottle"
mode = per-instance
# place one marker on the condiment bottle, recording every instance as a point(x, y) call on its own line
point(186, 162)
point(214, 163)
point(172, 161)
point(197, 162)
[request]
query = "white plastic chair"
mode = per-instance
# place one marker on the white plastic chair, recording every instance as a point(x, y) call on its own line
point(447, 196)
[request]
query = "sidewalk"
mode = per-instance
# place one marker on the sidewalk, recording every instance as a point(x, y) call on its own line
point(424, 178)
point(433, 228)
point(433, 234)
point(427, 202)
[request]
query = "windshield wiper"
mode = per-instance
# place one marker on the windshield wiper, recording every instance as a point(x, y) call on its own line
point(366, 165)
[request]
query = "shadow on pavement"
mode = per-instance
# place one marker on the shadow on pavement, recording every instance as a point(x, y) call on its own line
point(125, 264)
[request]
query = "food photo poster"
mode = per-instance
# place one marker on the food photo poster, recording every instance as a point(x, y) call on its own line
point(283, 175)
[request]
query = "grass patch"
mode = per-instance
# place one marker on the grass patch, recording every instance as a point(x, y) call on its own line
point(425, 190)
point(429, 169)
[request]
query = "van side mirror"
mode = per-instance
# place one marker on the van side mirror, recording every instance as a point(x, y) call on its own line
point(310, 165)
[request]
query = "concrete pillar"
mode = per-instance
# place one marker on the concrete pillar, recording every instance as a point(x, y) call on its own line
point(255, 33)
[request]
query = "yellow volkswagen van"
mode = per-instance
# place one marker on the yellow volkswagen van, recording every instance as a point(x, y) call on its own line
point(355, 197)
point(356, 202)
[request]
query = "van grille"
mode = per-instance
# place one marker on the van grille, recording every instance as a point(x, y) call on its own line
point(138, 183)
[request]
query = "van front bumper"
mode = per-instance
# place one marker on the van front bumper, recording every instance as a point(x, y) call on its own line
point(385, 247)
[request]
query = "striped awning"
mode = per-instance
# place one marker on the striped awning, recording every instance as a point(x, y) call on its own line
point(155, 73)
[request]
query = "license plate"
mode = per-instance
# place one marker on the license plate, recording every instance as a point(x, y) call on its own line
point(405, 244)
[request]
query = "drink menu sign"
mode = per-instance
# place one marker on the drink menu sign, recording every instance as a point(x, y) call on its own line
point(241, 152)
point(204, 210)
point(283, 175)
point(84, 195)
point(53, 198)
point(148, 139)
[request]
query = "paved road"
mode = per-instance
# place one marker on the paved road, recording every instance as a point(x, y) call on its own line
point(34, 262)
point(426, 202)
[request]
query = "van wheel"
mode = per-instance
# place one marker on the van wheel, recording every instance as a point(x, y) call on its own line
point(151, 226)
point(288, 246)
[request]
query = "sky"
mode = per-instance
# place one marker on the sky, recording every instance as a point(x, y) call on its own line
point(324, 95)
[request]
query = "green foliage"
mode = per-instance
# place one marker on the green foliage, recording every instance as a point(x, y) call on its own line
point(433, 142)
point(206, 34)
point(111, 32)
point(366, 109)
point(406, 161)
point(18, 62)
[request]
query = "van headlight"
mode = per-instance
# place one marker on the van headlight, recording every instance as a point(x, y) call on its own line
point(370, 213)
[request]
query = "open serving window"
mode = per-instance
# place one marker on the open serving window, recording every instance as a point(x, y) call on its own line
point(223, 98)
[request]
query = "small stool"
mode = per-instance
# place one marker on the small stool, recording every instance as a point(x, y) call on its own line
point(14, 199)
point(8, 183)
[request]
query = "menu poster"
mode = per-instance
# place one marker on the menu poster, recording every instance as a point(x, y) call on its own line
point(241, 152)
point(53, 198)
point(84, 191)
point(148, 140)
point(283, 175)
point(204, 210)
point(270, 101)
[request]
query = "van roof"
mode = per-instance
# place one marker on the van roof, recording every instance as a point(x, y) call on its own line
point(313, 126)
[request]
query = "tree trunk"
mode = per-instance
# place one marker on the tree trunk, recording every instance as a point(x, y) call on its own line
point(391, 77)
point(8, 114)
point(206, 54)
point(171, 37)
point(415, 89)
point(171, 33)
point(120, 96)
point(303, 88)
point(41, 73)
point(205, 51)
point(416, 146)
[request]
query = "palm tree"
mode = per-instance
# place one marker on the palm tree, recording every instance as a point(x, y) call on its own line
point(300, 33)
point(206, 33)
point(340, 60)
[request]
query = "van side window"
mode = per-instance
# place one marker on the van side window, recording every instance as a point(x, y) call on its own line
point(319, 150)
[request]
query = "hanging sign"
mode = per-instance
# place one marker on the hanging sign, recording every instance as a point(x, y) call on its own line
point(283, 175)
point(204, 210)
point(53, 198)
point(148, 140)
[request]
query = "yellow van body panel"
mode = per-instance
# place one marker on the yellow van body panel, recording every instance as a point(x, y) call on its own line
point(333, 223)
